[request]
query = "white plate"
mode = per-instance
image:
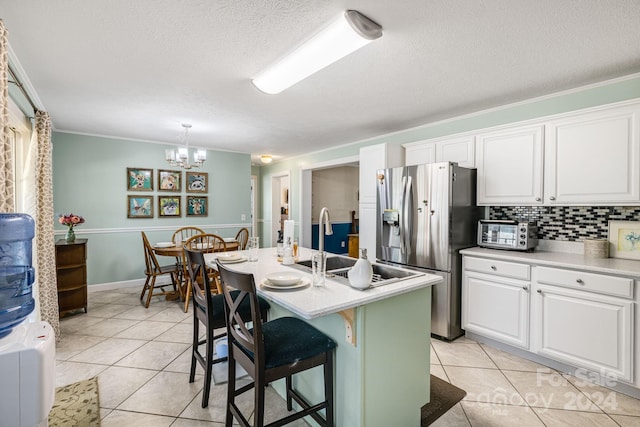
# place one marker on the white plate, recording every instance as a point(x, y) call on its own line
point(165, 245)
point(283, 278)
point(232, 261)
point(301, 284)
point(229, 257)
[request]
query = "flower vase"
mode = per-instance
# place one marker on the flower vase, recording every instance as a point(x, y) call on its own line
point(70, 237)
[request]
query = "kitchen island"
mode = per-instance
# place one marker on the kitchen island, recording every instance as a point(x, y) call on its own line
point(382, 335)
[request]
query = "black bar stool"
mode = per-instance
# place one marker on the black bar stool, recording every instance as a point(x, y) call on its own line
point(208, 309)
point(270, 351)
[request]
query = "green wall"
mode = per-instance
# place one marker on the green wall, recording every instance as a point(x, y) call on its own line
point(90, 179)
point(614, 91)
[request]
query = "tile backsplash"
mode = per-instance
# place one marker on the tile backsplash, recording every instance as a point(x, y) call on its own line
point(570, 223)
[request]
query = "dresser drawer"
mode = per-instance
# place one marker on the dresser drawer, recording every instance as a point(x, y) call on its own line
point(498, 268)
point(592, 282)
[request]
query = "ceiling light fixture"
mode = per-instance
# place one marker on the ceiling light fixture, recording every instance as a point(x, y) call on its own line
point(266, 159)
point(348, 33)
point(180, 157)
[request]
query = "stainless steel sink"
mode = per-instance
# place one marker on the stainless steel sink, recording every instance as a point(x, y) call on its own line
point(339, 266)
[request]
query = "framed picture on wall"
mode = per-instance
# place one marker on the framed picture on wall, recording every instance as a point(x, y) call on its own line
point(169, 206)
point(139, 206)
point(624, 239)
point(197, 182)
point(197, 206)
point(169, 180)
point(139, 179)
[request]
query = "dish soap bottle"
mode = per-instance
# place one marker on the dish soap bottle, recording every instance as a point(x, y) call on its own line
point(361, 273)
point(287, 258)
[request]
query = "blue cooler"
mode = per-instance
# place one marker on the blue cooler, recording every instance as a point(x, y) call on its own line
point(16, 273)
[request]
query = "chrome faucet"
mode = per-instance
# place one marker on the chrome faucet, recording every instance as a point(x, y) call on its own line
point(324, 218)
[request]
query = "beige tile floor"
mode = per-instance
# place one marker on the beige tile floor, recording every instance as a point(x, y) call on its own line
point(142, 358)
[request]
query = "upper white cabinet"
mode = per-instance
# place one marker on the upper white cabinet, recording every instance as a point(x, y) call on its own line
point(593, 158)
point(584, 158)
point(510, 166)
point(460, 150)
point(376, 157)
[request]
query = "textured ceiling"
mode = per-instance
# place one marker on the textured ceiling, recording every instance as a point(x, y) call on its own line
point(138, 69)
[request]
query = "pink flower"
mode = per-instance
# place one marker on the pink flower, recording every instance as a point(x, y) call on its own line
point(70, 220)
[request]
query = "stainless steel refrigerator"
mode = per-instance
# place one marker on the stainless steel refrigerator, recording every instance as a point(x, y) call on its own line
point(426, 214)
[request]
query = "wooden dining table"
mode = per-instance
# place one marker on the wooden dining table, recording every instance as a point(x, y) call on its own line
point(177, 251)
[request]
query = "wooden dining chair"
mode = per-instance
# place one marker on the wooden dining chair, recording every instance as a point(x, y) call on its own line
point(153, 270)
point(178, 238)
point(208, 310)
point(184, 233)
point(205, 243)
point(242, 237)
point(270, 351)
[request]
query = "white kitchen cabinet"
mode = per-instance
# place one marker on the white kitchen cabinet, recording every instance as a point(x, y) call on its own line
point(495, 300)
point(593, 158)
point(372, 158)
point(581, 319)
point(376, 157)
point(460, 150)
point(368, 229)
point(510, 166)
point(420, 153)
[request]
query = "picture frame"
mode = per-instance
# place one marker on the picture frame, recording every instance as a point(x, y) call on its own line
point(169, 207)
point(169, 180)
point(139, 179)
point(139, 206)
point(197, 206)
point(624, 239)
point(196, 182)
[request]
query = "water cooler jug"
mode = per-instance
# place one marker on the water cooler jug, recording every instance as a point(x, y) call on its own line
point(27, 348)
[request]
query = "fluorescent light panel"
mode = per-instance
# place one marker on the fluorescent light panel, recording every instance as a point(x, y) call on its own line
point(348, 33)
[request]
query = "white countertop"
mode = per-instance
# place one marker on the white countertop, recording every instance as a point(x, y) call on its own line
point(561, 259)
point(310, 302)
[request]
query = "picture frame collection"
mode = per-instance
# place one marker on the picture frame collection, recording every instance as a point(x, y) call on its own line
point(140, 180)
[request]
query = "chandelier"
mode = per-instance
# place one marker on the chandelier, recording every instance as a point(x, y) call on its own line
point(180, 157)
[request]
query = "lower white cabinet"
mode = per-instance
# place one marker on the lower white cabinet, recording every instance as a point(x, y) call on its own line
point(496, 300)
point(583, 328)
point(581, 318)
point(497, 308)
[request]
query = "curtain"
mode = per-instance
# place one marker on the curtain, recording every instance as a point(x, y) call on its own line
point(7, 195)
point(48, 289)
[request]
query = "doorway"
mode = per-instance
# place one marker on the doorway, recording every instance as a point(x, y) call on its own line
point(306, 196)
point(280, 205)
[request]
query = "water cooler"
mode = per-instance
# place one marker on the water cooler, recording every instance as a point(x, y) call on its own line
point(27, 348)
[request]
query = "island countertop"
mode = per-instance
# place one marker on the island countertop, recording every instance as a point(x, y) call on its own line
point(311, 302)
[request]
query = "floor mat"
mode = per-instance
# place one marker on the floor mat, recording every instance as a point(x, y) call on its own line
point(77, 405)
point(443, 397)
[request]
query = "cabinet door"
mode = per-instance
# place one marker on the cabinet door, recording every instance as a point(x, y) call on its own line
point(593, 158)
point(510, 166)
point(496, 307)
point(420, 154)
point(368, 226)
point(459, 150)
point(376, 157)
point(585, 330)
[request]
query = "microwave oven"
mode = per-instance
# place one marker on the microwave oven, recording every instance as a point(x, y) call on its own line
point(505, 234)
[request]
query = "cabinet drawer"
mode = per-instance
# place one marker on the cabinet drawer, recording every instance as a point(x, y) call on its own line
point(576, 279)
point(498, 268)
point(70, 255)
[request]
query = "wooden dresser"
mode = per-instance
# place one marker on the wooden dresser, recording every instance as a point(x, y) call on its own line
point(71, 272)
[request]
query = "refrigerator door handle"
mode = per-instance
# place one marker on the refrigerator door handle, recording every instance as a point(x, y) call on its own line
point(407, 215)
